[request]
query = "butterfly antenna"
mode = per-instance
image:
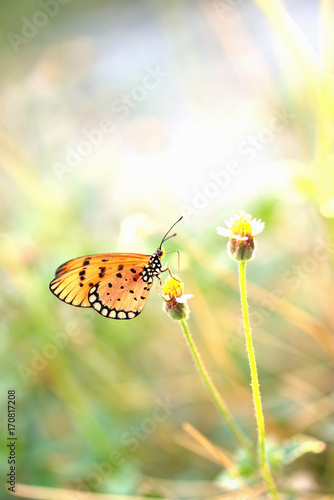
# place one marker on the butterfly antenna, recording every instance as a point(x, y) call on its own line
point(171, 236)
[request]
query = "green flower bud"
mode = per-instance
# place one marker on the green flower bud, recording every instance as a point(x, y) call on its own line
point(241, 249)
point(176, 310)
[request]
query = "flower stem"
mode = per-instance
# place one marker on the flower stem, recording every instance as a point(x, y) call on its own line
point(243, 441)
point(266, 472)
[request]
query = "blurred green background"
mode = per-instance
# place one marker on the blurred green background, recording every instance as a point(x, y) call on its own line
point(117, 118)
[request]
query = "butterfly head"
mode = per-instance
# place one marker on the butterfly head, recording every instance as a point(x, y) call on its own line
point(156, 257)
point(154, 261)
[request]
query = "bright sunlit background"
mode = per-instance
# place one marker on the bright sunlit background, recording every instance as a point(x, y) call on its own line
point(116, 119)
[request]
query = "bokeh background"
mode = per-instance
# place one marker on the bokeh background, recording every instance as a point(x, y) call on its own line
point(116, 119)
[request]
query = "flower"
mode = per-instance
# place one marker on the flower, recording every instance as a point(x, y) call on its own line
point(241, 230)
point(175, 304)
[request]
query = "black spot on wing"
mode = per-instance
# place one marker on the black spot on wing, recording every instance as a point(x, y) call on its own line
point(103, 271)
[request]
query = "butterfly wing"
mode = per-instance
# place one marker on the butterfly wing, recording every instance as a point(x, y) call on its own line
point(110, 283)
point(122, 295)
point(103, 259)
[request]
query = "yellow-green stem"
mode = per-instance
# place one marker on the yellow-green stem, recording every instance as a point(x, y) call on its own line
point(266, 472)
point(243, 441)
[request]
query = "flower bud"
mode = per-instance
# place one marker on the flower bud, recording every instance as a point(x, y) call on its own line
point(176, 310)
point(241, 250)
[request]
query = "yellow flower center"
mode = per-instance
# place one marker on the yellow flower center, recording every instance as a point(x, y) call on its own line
point(241, 226)
point(173, 287)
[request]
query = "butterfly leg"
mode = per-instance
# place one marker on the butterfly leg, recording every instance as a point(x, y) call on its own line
point(158, 289)
point(167, 268)
point(178, 259)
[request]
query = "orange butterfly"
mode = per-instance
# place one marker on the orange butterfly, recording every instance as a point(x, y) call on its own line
point(116, 285)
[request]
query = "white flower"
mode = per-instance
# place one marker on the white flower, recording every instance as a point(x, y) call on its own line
point(241, 230)
point(241, 227)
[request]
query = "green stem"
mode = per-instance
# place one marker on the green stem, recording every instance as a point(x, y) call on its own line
point(266, 472)
point(213, 391)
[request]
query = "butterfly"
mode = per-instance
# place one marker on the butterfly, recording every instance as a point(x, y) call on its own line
point(116, 285)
